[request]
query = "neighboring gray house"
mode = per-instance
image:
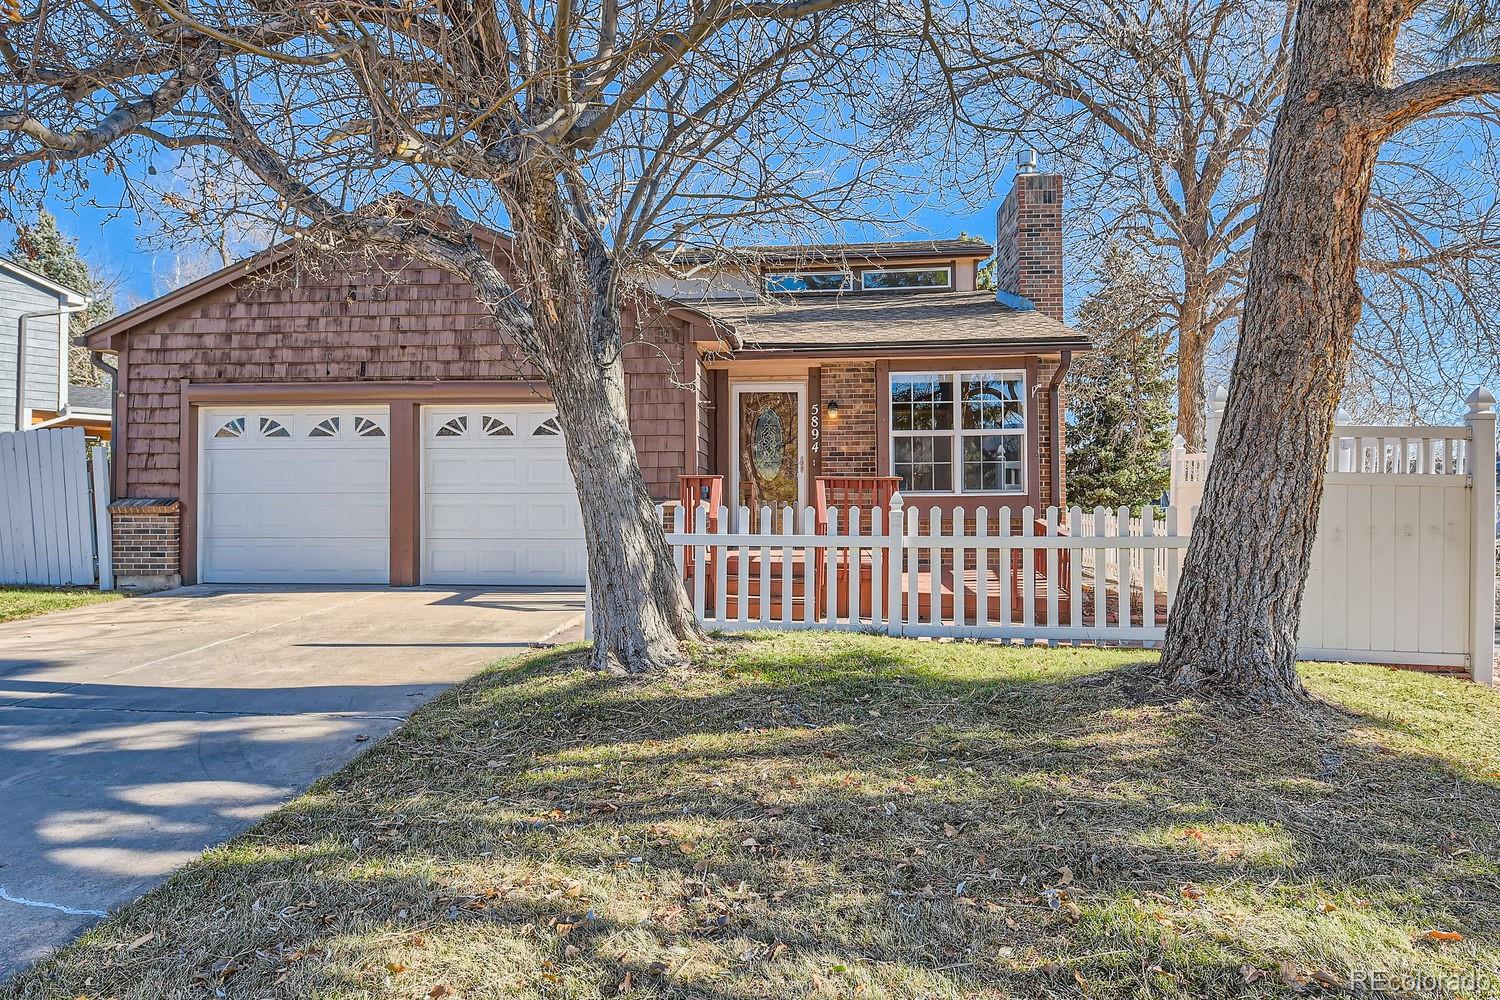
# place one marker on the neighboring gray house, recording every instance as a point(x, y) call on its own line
point(34, 389)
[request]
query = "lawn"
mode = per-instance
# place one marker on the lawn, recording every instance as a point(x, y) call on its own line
point(28, 602)
point(845, 816)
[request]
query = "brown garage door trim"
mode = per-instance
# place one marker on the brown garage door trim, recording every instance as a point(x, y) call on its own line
point(404, 400)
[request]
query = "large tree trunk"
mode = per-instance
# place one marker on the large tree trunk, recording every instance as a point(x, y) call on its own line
point(641, 614)
point(1234, 626)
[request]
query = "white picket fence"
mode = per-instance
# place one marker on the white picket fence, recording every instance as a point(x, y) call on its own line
point(54, 509)
point(1135, 559)
point(914, 573)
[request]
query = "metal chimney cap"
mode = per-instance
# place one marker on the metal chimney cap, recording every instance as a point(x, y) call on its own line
point(1026, 161)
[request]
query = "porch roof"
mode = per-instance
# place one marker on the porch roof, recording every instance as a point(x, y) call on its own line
point(895, 320)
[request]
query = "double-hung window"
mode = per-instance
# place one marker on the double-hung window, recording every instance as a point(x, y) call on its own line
point(959, 432)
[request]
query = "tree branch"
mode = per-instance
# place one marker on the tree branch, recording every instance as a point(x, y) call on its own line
point(1398, 107)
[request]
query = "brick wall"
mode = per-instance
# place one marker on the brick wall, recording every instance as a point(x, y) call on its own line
point(1050, 440)
point(145, 552)
point(849, 441)
point(1028, 242)
point(411, 323)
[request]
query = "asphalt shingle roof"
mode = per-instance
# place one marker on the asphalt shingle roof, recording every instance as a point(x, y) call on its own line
point(888, 319)
point(826, 253)
point(88, 397)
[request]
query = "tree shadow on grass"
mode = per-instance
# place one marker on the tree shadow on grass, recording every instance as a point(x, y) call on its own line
point(833, 816)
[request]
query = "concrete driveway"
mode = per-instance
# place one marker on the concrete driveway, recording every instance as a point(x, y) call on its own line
point(136, 733)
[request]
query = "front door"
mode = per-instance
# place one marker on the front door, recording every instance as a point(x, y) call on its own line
point(770, 448)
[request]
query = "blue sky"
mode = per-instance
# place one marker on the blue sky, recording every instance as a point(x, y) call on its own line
point(111, 239)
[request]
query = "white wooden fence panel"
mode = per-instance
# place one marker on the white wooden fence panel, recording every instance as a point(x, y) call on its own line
point(47, 530)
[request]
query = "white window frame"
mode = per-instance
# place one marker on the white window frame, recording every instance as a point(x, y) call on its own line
point(958, 433)
point(848, 283)
point(946, 268)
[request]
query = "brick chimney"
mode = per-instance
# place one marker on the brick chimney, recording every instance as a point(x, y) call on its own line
point(1028, 240)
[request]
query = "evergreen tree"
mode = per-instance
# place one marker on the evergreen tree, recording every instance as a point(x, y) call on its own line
point(1120, 396)
point(42, 247)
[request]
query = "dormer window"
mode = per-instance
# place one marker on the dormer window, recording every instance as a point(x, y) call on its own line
point(888, 279)
point(809, 281)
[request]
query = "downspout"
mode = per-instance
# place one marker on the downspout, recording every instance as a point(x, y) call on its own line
point(62, 360)
point(1055, 397)
point(96, 358)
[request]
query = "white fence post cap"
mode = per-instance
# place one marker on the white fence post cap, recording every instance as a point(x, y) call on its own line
point(1481, 400)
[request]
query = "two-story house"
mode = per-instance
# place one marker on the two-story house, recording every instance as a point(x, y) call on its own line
point(349, 428)
point(34, 340)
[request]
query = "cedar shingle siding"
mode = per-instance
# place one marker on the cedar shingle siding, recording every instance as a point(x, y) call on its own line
point(421, 325)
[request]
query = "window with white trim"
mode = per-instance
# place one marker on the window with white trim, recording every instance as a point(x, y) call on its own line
point(959, 432)
point(894, 279)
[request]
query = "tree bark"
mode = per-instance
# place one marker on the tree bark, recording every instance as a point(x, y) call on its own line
point(1233, 629)
point(641, 614)
point(1192, 350)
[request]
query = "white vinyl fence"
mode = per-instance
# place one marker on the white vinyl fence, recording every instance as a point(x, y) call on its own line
point(1403, 568)
point(54, 509)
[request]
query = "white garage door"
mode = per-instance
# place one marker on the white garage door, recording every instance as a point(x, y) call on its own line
point(294, 495)
point(498, 503)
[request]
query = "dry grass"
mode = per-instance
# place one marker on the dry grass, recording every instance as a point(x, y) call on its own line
point(28, 602)
point(836, 816)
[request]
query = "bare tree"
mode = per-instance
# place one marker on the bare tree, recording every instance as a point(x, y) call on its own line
point(601, 134)
point(1234, 626)
point(1160, 111)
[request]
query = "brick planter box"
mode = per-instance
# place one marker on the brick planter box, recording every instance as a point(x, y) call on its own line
point(146, 543)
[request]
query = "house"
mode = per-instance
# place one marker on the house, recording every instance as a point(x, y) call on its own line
point(281, 426)
point(34, 387)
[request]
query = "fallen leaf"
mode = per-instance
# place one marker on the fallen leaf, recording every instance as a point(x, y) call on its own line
point(624, 985)
point(395, 968)
point(439, 991)
point(1437, 935)
point(1325, 978)
point(141, 941)
point(1194, 833)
